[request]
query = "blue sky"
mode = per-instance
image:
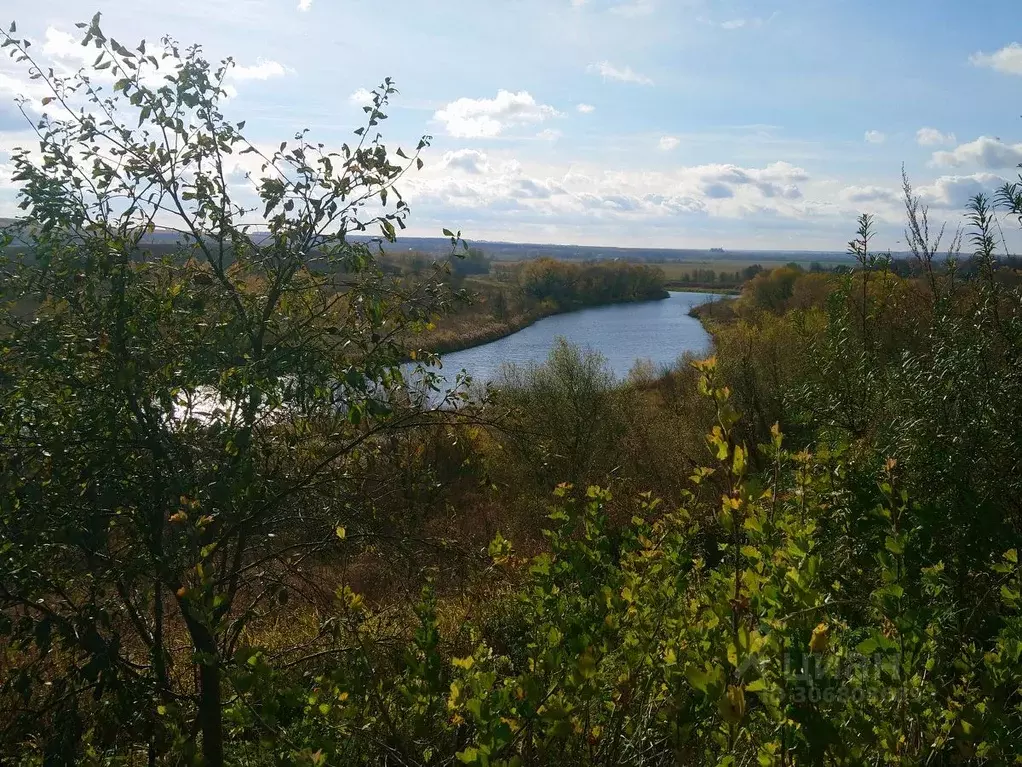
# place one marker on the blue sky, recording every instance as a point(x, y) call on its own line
point(671, 123)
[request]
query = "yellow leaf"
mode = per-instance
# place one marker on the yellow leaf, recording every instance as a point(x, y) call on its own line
point(739, 459)
point(820, 639)
point(587, 665)
point(453, 700)
point(732, 705)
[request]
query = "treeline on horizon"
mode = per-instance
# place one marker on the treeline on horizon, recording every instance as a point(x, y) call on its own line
point(228, 537)
point(570, 285)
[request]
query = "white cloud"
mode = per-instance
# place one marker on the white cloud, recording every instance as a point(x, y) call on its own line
point(561, 195)
point(12, 87)
point(933, 137)
point(362, 97)
point(586, 109)
point(984, 152)
point(549, 134)
point(739, 22)
point(486, 118)
point(61, 45)
point(667, 143)
point(955, 191)
point(470, 161)
point(777, 180)
point(262, 70)
point(623, 75)
point(578, 3)
point(67, 55)
point(304, 5)
point(64, 55)
point(1008, 60)
point(875, 137)
point(860, 194)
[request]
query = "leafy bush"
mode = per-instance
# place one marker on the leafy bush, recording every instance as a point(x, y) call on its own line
point(638, 651)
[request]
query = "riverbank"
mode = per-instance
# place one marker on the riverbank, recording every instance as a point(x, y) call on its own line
point(465, 332)
point(715, 313)
point(682, 287)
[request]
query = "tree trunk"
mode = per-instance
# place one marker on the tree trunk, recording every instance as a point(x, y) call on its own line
point(210, 713)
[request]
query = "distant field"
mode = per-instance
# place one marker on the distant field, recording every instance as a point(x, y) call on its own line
point(675, 270)
point(513, 252)
point(728, 263)
point(722, 272)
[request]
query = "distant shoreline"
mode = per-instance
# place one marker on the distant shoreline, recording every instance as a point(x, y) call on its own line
point(682, 288)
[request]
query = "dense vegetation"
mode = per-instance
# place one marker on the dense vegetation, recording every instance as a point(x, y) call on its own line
point(226, 537)
point(715, 279)
point(570, 286)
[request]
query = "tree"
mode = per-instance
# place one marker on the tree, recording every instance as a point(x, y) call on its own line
point(186, 402)
point(568, 411)
point(473, 262)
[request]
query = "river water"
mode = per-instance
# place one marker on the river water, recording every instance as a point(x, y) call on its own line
point(657, 331)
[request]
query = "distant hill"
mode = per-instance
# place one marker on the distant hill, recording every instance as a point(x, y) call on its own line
point(511, 251)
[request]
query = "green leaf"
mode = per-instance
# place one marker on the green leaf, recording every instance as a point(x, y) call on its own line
point(893, 590)
point(587, 665)
point(867, 647)
point(698, 678)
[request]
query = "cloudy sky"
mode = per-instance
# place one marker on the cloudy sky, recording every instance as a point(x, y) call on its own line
point(762, 124)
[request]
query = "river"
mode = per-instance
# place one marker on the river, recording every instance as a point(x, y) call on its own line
point(657, 331)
